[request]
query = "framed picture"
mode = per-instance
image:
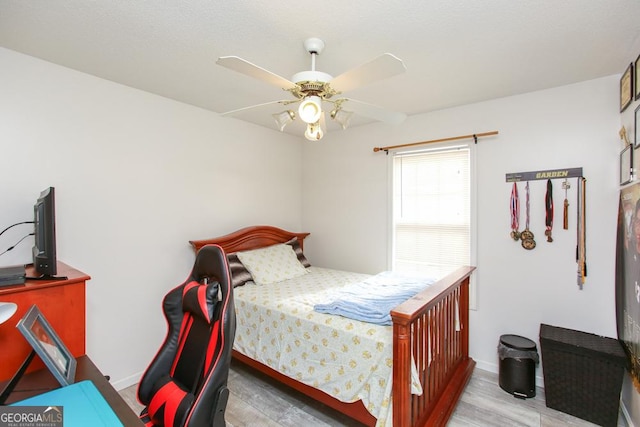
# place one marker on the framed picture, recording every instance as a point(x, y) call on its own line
point(626, 88)
point(626, 165)
point(46, 343)
point(636, 83)
point(636, 141)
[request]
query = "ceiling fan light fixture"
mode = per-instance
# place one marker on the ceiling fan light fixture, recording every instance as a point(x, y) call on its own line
point(311, 88)
point(342, 117)
point(314, 132)
point(283, 118)
point(310, 109)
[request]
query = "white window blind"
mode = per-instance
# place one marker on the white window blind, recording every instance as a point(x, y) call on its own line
point(431, 210)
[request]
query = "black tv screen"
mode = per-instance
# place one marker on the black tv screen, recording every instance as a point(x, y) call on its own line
point(44, 248)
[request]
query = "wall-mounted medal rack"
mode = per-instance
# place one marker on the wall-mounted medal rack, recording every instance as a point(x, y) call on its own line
point(548, 174)
point(526, 236)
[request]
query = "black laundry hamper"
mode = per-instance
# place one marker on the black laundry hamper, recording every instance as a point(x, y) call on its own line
point(583, 373)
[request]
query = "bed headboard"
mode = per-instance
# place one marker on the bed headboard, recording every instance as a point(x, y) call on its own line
point(254, 237)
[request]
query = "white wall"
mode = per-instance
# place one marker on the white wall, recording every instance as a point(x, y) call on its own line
point(345, 206)
point(136, 176)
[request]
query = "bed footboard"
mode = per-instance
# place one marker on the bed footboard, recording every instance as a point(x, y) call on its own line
point(432, 328)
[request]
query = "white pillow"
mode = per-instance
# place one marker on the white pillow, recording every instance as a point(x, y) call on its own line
point(272, 264)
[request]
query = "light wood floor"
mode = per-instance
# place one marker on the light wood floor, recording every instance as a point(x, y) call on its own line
point(257, 401)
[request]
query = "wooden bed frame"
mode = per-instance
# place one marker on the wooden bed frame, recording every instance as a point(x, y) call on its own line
point(433, 327)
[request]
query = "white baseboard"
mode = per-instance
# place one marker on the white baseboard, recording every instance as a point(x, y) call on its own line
point(625, 414)
point(127, 382)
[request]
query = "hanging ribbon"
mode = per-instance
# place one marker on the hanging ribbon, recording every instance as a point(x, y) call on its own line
point(514, 208)
point(581, 250)
point(565, 216)
point(527, 236)
point(548, 203)
point(528, 206)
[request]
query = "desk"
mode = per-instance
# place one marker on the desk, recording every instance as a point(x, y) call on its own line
point(42, 381)
point(63, 304)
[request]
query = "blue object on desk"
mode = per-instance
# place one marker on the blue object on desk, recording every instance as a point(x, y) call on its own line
point(83, 405)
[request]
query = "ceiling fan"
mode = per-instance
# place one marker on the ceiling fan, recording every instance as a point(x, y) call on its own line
point(312, 88)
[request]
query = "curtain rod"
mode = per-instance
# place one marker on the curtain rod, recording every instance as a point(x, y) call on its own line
point(453, 138)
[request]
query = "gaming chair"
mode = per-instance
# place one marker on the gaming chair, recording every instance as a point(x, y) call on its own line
point(186, 383)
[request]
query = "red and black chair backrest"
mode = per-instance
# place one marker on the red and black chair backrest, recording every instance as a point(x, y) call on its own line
point(186, 383)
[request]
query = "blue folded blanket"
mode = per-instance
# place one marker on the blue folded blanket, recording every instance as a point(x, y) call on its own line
point(372, 300)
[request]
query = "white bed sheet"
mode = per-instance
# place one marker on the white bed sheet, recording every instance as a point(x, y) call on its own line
point(348, 359)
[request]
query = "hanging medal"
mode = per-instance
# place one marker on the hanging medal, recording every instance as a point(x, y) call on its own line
point(514, 207)
point(548, 204)
point(527, 236)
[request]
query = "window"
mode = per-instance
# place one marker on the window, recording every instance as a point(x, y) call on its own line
point(432, 210)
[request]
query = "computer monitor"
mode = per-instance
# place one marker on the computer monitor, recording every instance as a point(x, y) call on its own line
point(44, 248)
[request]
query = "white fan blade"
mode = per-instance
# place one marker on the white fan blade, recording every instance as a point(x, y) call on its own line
point(240, 110)
point(245, 67)
point(382, 67)
point(374, 112)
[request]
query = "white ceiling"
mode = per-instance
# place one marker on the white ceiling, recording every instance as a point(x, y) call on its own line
point(456, 52)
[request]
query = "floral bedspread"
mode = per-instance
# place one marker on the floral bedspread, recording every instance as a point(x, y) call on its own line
point(347, 359)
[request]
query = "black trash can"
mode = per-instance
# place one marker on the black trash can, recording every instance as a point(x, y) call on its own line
point(517, 370)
